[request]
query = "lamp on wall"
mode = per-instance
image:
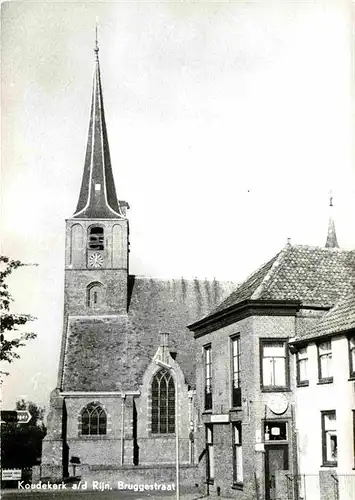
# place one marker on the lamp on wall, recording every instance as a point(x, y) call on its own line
point(171, 370)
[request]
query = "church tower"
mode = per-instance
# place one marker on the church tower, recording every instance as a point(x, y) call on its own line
point(115, 405)
point(96, 255)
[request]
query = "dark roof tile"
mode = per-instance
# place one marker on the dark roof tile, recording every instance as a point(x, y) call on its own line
point(341, 318)
point(316, 276)
point(110, 354)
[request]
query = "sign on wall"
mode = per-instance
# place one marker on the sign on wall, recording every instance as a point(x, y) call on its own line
point(11, 474)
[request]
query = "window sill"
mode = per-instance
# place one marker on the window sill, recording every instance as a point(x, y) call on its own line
point(237, 486)
point(330, 464)
point(275, 389)
point(325, 381)
point(209, 481)
point(271, 442)
point(93, 436)
point(235, 408)
point(161, 435)
point(305, 383)
point(351, 378)
point(207, 412)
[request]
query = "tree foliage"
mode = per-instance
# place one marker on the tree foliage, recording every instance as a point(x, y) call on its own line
point(21, 444)
point(10, 322)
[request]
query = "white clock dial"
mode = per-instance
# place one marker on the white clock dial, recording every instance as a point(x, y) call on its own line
point(96, 260)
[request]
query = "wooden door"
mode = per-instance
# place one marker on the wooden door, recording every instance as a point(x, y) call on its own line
point(276, 458)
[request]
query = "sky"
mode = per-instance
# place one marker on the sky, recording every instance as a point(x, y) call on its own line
point(228, 124)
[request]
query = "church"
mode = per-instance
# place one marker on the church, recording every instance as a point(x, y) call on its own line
point(126, 373)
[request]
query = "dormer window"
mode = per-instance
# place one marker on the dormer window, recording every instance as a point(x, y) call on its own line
point(96, 238)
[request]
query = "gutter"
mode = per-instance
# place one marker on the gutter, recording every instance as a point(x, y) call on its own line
point(306, 340)
point(244, 309)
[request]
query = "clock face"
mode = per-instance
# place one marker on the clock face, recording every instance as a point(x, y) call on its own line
point(96, 260)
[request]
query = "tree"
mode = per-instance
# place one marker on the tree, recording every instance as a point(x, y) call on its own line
point(21, 444)
point(10, 322)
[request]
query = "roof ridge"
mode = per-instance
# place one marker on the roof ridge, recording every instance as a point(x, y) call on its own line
point(324, 249)
point(266, 279)
point(180, 278)
point(257, 270)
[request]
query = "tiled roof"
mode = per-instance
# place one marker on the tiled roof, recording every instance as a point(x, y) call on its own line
point(112, 354)
point(316, 276)
point(248, 287)
point(340, 318)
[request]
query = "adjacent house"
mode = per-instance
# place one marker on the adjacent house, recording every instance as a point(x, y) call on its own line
point(247, 397)
point(325, 403)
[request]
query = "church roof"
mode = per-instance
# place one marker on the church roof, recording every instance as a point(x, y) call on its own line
point(97, 197)
point(340, 319)
point(156, 306)
point(315, 276)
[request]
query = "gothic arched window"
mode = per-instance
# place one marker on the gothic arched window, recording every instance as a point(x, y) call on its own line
point(93, 420)
point(163, 403)
point(96, 238)
point(94, 294)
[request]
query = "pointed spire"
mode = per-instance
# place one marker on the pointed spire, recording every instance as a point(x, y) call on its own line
point(332, 241)
point(97, 197)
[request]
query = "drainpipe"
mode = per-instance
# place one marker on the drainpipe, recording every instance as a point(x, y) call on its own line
point(295, 450)
point(123, 396)
point(191, 433)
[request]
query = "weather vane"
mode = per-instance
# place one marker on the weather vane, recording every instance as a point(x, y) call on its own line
point(96, 48)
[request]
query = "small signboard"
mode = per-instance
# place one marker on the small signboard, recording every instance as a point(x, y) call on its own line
point(8, 416)
point(23, 416)
point(11, 474)
point(259, 447)
point(15, 416)
point(219, 418)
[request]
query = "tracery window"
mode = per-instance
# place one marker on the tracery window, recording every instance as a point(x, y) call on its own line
point(93, 420)
point(163, 403)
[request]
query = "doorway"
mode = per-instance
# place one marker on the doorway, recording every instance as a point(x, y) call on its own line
point(276, 458)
